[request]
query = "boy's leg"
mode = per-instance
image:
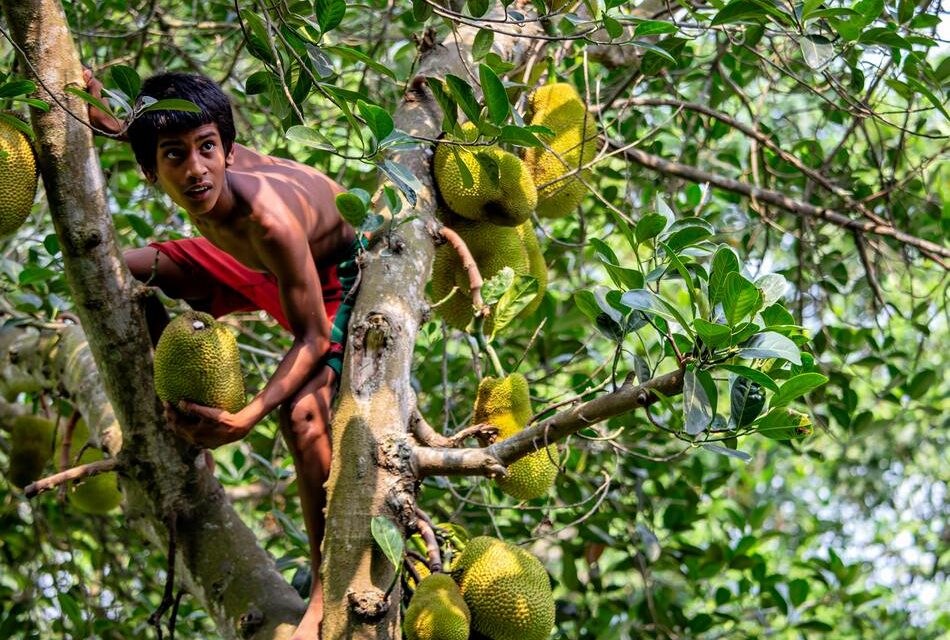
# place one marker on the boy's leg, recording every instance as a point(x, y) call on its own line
point(305, 424)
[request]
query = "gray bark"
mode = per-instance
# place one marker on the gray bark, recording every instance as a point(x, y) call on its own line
point(218, 556)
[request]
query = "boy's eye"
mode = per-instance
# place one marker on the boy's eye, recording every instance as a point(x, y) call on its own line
point(207, 146)
point(172, 154)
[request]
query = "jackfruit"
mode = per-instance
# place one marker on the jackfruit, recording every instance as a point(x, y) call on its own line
point(505, 403)
point(493, 249)
point(506, 589)
point(18, 178)
point(536, 265)
point(197, 359)
point(437, 611)
point(506, 199)
point(98, 494)
point(559, 107)
point(31, 439)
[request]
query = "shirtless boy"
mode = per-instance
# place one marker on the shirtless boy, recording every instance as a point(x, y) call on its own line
point(272, 239)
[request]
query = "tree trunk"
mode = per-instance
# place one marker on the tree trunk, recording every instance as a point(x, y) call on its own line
point(218, 556)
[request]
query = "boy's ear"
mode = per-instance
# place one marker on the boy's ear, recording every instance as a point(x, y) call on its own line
point(229, 159)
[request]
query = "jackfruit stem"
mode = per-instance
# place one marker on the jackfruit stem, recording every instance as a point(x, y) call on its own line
point(468, 263)
point(483, 345)
point(427, 530)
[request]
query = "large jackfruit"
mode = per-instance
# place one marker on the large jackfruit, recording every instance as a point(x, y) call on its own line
point(506, 199)
point(98, 494)
point(197, 359)
point(493, 249)
point(536, 265)
point(31, 440)
point(507, 590)
point(505, 403)
point(559, 107)
point(437, 611)
point(18, 178)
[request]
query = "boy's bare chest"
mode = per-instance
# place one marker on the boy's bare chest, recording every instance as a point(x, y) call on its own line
point(237, 243)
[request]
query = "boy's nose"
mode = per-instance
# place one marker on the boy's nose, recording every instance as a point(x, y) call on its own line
point(195, 166)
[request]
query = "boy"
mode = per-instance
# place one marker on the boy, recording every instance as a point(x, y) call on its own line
point(273, 240)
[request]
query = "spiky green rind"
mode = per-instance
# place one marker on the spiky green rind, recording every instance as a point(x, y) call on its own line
point(493, 248)
point(559, 107)
point(506, 403)
point(437, 611)
point(536, 265)
point(31, 447)
point(197, 359)
point(506, 589)
point(507, 200)
point(18, 178)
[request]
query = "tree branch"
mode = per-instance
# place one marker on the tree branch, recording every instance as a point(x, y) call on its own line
point(430, 461)
point(782, 201)
point(76, 473)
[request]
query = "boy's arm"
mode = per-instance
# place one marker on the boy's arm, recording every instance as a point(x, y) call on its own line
point(286, 254)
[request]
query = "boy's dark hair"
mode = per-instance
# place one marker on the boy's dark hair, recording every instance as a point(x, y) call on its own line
point(203, 91)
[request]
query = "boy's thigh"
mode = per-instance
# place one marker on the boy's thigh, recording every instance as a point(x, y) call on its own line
point(154, 268)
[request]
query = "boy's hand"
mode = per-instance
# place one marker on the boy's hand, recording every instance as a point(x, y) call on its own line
point(205, 426)
point(98, 118)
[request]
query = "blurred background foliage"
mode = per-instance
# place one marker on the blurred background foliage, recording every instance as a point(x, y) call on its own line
point(842, 534)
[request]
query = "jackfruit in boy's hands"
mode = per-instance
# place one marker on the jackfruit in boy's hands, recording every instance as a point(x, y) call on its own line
point(502, 190)
point(559, 107)
point(197, 359)
point(505, 403)
point(493, 249)
point(31, 439)
point(437, 611)
point(18, 178)
point(506, 589)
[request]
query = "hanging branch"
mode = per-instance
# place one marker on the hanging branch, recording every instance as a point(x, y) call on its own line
point(76, 473)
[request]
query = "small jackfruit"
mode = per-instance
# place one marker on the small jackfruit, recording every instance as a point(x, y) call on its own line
point(505, 403)
point(536, 265)
point(559, 107)
point(507, 590)
point(31, 440)
point(197, 359)
point(98, 494)
point(493, 249)
point(502, 189)
point(437, 611)
point(18, 178)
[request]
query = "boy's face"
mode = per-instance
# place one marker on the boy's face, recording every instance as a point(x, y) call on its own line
point(190, 167)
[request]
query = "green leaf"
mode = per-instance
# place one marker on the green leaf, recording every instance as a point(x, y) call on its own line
point(784, 424)
point(613, 27)
point(127, 80)
point(329, 14)
point(650, 226)
point(89, 98)
point(740, 298)
point(773, 287)
point(172, 104)
point(660, 55)
point(518, 136)
point(724, 262)
point(927, 93)
point(586, 302)
point(771, 345)
point(496, 286)
point(886, 37)
point(464, 96)
point(646, 301)
point(17, 124)
point(654, 28)
point(752, 374)
point(796, 387)
point(737, 11)
point(921, 383)
point(377, 119)
point(309, 136)
point(349, 53)
point(389, 539)
point(478, 8)
point(496, 98)
point(446, 102)
point(713, 335)
point(746, 401)
point(403, 179)
point(522, 291)
point(797, 591)
point(351, 208)
point(18, 88)
point(697, 411)
point(725, 451)
point(817, 50)
point(482, 43)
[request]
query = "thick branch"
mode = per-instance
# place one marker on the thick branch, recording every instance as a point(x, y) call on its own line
point(483, 461)
point(777, 199)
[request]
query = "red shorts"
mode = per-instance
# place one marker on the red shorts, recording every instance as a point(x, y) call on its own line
point(233, 287)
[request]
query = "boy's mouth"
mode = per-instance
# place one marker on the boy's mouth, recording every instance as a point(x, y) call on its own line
point(198, 191)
